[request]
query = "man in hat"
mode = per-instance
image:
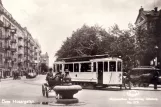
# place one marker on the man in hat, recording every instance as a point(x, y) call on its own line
point(67, 78)
point(49, 75)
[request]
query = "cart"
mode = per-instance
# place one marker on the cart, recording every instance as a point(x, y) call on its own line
point(49, 86)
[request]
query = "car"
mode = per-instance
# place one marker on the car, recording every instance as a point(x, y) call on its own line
point(144, 76)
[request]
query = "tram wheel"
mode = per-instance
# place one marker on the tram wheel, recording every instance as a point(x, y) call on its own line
point(43, 90)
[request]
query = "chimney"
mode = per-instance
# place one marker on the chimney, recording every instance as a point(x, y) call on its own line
point(141, 9)
point(156, 9)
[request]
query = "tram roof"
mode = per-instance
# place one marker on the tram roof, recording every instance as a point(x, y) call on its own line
point(107, 59)
point(87, 58)
point(81, 58)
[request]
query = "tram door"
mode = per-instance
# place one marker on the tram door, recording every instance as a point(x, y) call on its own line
point(100, 72)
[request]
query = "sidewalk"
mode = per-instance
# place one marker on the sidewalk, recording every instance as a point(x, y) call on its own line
point(6, 79)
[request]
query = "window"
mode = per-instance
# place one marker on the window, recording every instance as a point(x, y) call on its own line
point(0, 33)
point(70, 67)
point(54, 68)
point(100, 66)
point(0, 44)
point(119, 66)
point(112, 65)
point(94, 67)
point(105, 66)
point(66, 67)
point(76, 67)
point(1, 59)
point(85, 67)
point(60, 66)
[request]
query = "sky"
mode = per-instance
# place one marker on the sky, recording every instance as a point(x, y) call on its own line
point(52, 21)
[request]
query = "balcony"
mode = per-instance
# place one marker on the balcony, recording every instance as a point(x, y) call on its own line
point(20, 60)
point(7, 26)
point(20, 37)
point(13, 30)
point(1, 23)
point(1, 38)
point(7, 58)
point(14, 59)
point(35, 58)
point(7, 38)
point(20, 46)
point(13, 49)
point(7, 48)
point(35, 47)
point(13, 41)
point(20, 52)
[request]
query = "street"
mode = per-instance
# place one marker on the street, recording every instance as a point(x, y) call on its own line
point(15, 93)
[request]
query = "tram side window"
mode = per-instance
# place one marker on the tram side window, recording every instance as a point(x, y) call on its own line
point(86, 67)
point(66, 67)
point(71, 67)
point(60, 66)
point(54, 68)
point(76, 67)
point(119, 66)
point(112, 66)
point(94, 67)
point(105, 66)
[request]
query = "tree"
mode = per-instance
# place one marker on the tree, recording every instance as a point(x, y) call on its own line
point(124, 46)
point(83, 42)
point(145, 46)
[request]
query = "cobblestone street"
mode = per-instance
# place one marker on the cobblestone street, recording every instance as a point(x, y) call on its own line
point(13, 93)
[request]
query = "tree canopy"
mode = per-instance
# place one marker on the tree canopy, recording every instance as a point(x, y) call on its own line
point(131, 45)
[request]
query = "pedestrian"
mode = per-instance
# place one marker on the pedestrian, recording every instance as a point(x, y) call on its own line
point(155, 78)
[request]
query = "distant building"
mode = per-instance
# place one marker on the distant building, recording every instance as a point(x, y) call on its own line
point(151, 20)
point(45, 59)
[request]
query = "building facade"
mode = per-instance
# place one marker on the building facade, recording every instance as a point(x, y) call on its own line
point(150, 20)
point(13, 39)
point(32, 51)
point(45, 59)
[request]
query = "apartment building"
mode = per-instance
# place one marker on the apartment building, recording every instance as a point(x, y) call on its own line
point(32, 51)
point(17, 46)
point(151, 20)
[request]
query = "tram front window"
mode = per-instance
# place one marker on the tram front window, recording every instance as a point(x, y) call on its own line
point(105, 66)
point(54, 68)
point(94, 67)
point(58, 67)
point(119, 66)
point(112, 66)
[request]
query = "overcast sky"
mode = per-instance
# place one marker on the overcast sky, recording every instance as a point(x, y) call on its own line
point(51, 21)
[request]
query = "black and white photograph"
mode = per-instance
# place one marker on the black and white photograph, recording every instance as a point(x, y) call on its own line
point(80, 53)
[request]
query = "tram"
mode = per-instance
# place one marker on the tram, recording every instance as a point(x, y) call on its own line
point(98, 70)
